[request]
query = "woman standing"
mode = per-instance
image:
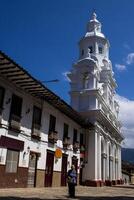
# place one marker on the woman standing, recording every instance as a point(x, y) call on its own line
point(72, 181)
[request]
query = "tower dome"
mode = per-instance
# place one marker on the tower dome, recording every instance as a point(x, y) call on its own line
point(94, 26)
point(94, 43)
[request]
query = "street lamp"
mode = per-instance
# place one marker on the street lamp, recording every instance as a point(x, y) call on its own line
point(50, 81)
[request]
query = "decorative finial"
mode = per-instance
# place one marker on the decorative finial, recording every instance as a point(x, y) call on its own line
point(94, 16)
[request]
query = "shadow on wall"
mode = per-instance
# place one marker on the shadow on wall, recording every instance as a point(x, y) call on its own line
point(65, 198)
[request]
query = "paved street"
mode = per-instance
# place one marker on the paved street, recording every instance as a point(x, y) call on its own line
point(82, 193)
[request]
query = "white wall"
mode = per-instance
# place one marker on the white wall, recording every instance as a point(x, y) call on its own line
point(26, 123)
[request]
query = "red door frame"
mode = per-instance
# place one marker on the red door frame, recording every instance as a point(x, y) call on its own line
point(64, 170)
point(49, 169)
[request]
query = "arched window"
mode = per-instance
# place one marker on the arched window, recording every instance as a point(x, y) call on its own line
point(100, 48)
point(86, 80)
point(82, 52)
point(91, 49)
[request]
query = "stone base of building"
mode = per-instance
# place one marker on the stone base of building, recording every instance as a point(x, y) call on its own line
point(93, 183)
point(40, 177)
point(114, 182)
point(108, 183)
point(56, 182)
point(99, 183)
point(102, 183)
point(13, 180)
point(120, 182)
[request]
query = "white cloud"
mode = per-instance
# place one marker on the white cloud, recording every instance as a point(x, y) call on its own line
point(65, 76)
point(130, 58)
point(126, 117)
point(120, 67)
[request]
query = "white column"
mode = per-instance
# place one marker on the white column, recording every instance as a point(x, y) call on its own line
point(104, 168)
point(116, 170)
point(111, 164)
point(96, 151)
point(113, 170)
point(104, 160)
point(113, 177)
point(90, 170)
point(110, 170)
point(99, 156)
point(96, 48)
point(107, 160)
point(119, 163)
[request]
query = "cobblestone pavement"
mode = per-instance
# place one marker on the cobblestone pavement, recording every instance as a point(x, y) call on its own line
point(57, 193)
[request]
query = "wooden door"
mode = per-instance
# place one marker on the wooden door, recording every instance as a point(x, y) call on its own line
point(64, 170)
point(81, 171)
point(32, 170)
point(49, 169)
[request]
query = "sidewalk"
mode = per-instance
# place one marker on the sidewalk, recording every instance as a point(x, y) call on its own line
point(56, 193)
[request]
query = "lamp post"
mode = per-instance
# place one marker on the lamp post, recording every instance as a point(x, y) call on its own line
point(50, 81)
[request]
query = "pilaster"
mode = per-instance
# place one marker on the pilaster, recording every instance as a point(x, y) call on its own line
point(107, 161)
point(119, 163)
point(99, 167)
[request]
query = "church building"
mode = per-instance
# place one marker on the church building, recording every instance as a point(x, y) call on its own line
point(93, 96)
point(41, 136)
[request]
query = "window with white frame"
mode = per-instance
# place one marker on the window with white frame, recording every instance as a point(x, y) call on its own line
point(12, 161)
point(100, 48)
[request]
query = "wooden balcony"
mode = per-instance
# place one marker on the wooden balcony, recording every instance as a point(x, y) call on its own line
point(14, 123)
point(52, 137)
point(36, 132)
point(76, 146)
point(66, 142)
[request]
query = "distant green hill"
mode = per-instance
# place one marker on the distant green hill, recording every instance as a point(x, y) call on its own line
point(128, 155)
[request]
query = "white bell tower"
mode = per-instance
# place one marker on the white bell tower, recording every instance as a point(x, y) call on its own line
point(92, 75)
point(93, 96)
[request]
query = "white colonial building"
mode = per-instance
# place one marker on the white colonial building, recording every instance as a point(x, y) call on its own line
point(93, 96)
point(41, 136)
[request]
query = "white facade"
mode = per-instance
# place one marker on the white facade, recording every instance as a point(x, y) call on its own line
point(38, 146)
point(93, 96)
point(26, 123)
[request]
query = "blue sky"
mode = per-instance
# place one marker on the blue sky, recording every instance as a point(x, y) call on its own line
point(42, 36)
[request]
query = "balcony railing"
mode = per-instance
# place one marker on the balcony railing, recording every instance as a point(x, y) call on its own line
point(52, 137)
point(66, 142)
point(15, 122)
point(36, 131)
point(76, 146)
